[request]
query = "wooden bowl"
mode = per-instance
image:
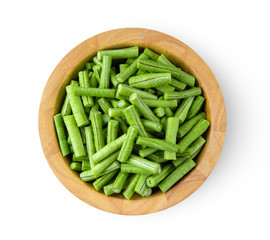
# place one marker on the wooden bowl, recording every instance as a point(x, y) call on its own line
point(178, 53)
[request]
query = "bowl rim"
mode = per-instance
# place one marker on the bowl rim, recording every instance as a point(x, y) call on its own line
point(180, 54)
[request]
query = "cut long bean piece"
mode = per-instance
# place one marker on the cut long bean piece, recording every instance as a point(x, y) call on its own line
point(90, 144)
point(108, 149)
point(154, 180)
point(119, 182)
point(127, 91)
point(114, 103)
point(186, 78)
point(165, 89)
point(87, 176)
point(112, 133)
point(97, 61)
point(129, 191)
point(150, 80)
point(143, 108)
point(113, 79)
point(130, 60)
point(133, 119)
point(100, 167)
point(116, 112)
point(97, 130)
point(194, 133)
point(158, 144)
point(123, 66)
point(194, 147)
point(95, 92)
point(128, 72)
point(121, 53)
point(66, 109)
point(180, 160)
point(127, 146)
point(145, 164)
point(92, 79)
point(85, 165)
point(195, 107)
point(76, 166)
point(146, 151)
point(103, 180)
point(171, 132)
point(160, 103)
point(76, 106)
point(128, 168)
point(183, 109)
point(184, 94)
point(163, 60)
point(104, 105)
point(60, 130)
point(108, 189)
point(151, 54)
point(85, 82)
point(105, 72)
point(75, 135)
point(151, 125)
point(141, 185)
point(176, 175)
point(188, 125)
point(178, 85)
point(97, 72)
point(123, 103)
point(94, 108)
point(122, 124)
point(159, 111)
point(155, 67)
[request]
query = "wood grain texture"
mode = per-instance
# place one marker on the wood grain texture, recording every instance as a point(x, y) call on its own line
point(181, 55)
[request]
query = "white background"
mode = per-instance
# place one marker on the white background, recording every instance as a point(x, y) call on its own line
point(233, 39)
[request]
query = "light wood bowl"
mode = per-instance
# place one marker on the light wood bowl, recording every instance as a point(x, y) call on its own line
point(178, 53)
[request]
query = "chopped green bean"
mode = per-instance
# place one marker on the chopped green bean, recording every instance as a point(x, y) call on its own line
point(119, 53)
point(76, 166)
point(95, 92)
point(159, 111)
point(195, 107)
point(154, 180)
point(183, 109)
point(141, 185)
point(123, 66)
point(60, 130)
point(127, 91)
point(160, 103)
point(150, 80)
point(130, 60)
point(97, 61)
point(171, 132)
point(103, 180)
point(184, 94)
point(66, 109)
point(119, 182)
point(97, 72)
point(75, 135)
point(76, 106)
point(186, 78)
point(128, 72)
point(176, 175)
point(85, 82)
point(108, 149)
point(151, 125)
point(128, 168)
point(143, 108)
point(158, 144)
point(155, 67)
point(194, 133)
point(112, 132)
point(104, 105)
point(97, 130)
point(151, 54)
point(123, 103)
point(194, 147)
point(145, 164)
point(146, 151)
point(133, 119)
point(90, 144)
point(128, 144)
point(105, 72)
point(85, 165)
point(129, 191)
point(116, 112)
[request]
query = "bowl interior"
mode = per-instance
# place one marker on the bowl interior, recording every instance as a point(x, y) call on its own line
point(180, 55)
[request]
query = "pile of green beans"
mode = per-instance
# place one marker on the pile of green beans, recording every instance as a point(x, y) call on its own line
point(132, 123)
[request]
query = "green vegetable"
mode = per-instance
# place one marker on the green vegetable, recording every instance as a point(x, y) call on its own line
point(176, 175)
point(145, 123)
point(60, 130)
